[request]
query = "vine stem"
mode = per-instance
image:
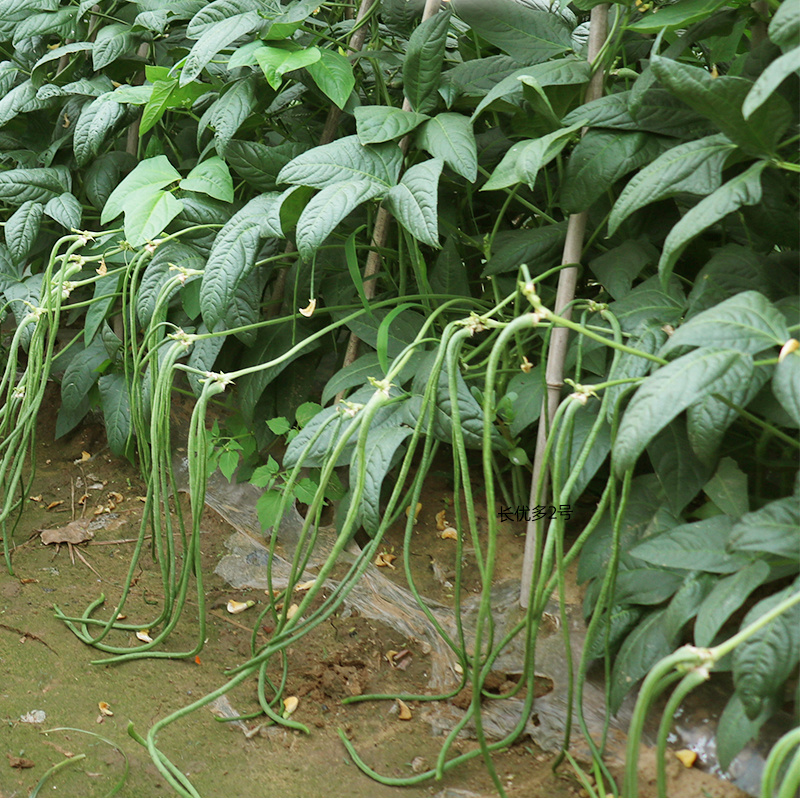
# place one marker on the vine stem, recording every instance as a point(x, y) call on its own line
point(567, 281)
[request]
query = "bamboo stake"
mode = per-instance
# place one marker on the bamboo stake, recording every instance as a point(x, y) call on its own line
point(567, 281)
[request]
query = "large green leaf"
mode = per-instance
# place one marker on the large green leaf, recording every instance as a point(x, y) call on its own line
point(233, 256)
point(79, 377)
point(678, 15)
point(149, 175)
point(214, 38)
point(476, 77)
point(414, 201)
point(333, 74)
point(60, 22)
point(211, 14)
point(617, 268)
point(746, 322)
point(521, 164)
point(22, 228)
point(784, 27)
point(147, 214)
point(786, 385)
point(560, 72)
point(422, 65)
point(116, 411)
point(449, 275)
point(384, 123)
point(773, 529)
point(728, 489)
point(735, 729)
point(159, 271)
point(259, 164)
point(645, 645)
point(769, 80)
point(524, 31)
point(327, 209)
point(539, 248)
point(229, 111)
point(450, 137)
point(345, 160)
point(720, 99)
point(18, 186)
point(694, 167)
point(96, 120)
point(696, 545)
point(763, 662)
point(679, 471)
point(66, 210)
point(603, 157)
point(381, 447)
point(649, 300)
point(670, 390)
point(275, 62)
point(727, 597)
point(743, 190)
point(210, 177)
point(112, 41)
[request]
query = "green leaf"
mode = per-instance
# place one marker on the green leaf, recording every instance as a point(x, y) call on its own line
point(96, 120)
point(384, 123)
point(645, 645)
point(784, 28)
point(381, 447)
point(696, 545)
point(148, 213)
point(106, 293)
point(735, 729)
point(214, 38)
point(600, 159)
point(210, 177)
point(345, 160)
point(233, 256)
point(151, 175)
point(743, 190)
point(22, 228)
point(116, 411)
point(327, 209)
point(423, 61)
point(284, 23)
point(275, 62)
point(158, 272)
point(523, 31)
point(210, 14)
point(522, 162)
point(268, 507)
point(763, 662)
point(679, 471)
point(18, 186)
point(449, 274)
point(720, 100)
point(539, 248)
point(747, 322)
point(670, 390)
point(619, 267)
point(79, 377)
point(60, 23)
point(229, 111)
point(65, 210)
point(476, 77)
point(773, 529)
point(694, 167)
point(679, 15)
point(584, 420)
point(102, 175)
point(728, 489)
point(727, 597)
point(202, 356)
point(450, 137)
point(649, 301)
point(686, 600)
point(769, 80)
point(402, 332)
point(258, 164)
point(157, 104)
point(279, 425)
point(786, 385)
point(245, 307)
point(112, 41)
point(333, 74)
point(414, 201)
point(560, 72)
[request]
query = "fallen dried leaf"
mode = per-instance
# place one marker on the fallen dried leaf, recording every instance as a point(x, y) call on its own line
point(686, 757)
point(303, 587)
point(405, 711)
point(54, 504)
point(122, 616)
point(75, 532)
point(235, 607)
point(105, 709)
point(385, 560)
point(82, 499)
point(23, 581)
point(441, 522)
point(289, 706)
point(416, 513)
point(20, 763)
point(292, 610)
point(449, 533)
point(85, 456)
point(144, 636)
point(37, 498)
point(116, 497)
point(309, 309)
point(197, 660)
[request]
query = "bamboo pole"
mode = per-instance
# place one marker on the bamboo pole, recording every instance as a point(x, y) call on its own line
point(567, 281)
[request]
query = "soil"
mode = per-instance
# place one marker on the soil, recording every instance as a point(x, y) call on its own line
point(45, 668)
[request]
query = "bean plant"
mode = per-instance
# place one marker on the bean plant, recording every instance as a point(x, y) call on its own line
point(365, 217)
